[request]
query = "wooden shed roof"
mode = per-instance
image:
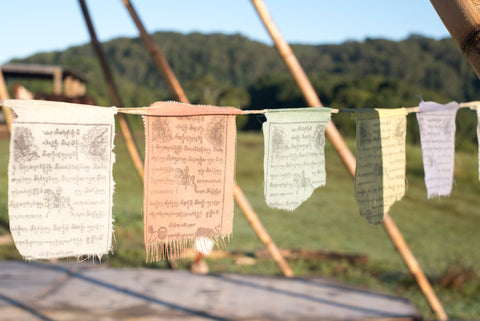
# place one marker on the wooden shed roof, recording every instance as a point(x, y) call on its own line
point(38, 71)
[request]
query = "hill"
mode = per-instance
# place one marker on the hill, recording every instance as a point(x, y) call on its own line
point(201, 61)
point(233, 70)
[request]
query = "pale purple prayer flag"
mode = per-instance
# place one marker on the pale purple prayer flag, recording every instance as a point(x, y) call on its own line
point(437, 136)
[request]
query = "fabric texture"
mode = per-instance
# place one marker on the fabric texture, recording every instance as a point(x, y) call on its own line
point(294, 158)
point(60, 184)
point(436, 123)
point(380, 169)
point(189, 177)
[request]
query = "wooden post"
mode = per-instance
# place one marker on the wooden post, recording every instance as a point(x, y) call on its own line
point(8, 115)
point(20, 92)
point(57, 81)
point(80, 88)
point(122, 120)
point(462, 19)
point(6, 239)
point(346, 155)
point(73, 87)
point(262, 233)
point(177, 91)
point(158, 57)
point(7, 112)
point(69, 87)
point(414, 267)
point(304, 83)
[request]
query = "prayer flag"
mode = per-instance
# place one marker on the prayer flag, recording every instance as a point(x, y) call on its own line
point(294, 158)
point(60, 183)
point(189, 176)
point(437, 136)
point(380, 153)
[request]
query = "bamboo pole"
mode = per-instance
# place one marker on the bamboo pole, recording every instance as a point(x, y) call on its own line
point(8, 115)
point(158, 57)
point(345, 154)
point(7, 112)
point(122, 120)
point(462, 19)
point(57, 81)
point(112, 89)
point(177, 91)
point(415, 268)
point(304, 84)
point(262, 233)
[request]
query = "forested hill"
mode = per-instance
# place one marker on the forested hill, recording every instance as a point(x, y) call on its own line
point(233, 70)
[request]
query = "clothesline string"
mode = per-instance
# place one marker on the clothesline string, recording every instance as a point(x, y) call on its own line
point(143, 110)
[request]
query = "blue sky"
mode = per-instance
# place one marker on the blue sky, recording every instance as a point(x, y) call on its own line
point(31, 26)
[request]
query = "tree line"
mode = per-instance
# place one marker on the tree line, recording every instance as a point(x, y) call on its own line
point(233, 70)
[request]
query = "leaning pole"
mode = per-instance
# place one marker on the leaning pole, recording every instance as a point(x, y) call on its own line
point(346, 155)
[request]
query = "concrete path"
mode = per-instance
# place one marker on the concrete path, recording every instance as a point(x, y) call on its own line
point(84, 291)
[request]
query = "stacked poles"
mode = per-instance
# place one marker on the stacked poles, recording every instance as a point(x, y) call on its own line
point(178, 93)
point(345, 153)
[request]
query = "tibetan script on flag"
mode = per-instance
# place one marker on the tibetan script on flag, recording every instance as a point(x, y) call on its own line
point(294, 159)
point(437, 136)
point(380, 153)
point(189, 173)
point(60, 183)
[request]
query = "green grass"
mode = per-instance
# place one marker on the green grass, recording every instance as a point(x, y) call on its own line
point(442, 233)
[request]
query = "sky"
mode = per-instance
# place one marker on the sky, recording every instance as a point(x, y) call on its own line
point(32, 26)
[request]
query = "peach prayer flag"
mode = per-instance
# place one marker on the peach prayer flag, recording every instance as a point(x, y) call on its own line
point(189, 176)
point(380, 153)
point(60, 183)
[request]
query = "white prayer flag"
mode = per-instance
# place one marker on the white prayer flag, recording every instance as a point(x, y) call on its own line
point(60, 183)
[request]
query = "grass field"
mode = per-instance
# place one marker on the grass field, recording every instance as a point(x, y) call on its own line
point(442, 233)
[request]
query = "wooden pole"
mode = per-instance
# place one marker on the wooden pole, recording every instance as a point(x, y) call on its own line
point(122, 120)
point(462, 19)
point(20, 92)
point(304, 84)
point(158, 57)
point(177, 90)
point(8, 115)
point(262, 233)
point(7, 112)
point(415, 268)
point(346, 155)
point(57, 81)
